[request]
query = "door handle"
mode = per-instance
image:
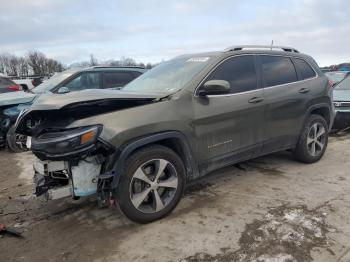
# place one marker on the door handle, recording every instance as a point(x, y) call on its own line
point(255, 100)
point(304, 90)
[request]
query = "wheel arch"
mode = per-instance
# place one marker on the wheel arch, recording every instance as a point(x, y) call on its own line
point(323, 110)
point(174, 140)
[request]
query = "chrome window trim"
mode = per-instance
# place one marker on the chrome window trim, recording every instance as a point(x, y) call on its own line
point(240, 93)
point(299, 81)
point(258, 89)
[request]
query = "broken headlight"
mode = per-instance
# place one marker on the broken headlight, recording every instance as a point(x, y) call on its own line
point(66, 142)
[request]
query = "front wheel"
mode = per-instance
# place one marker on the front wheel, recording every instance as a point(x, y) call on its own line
point(313, 140)
point(151, 184)
point(16, 143)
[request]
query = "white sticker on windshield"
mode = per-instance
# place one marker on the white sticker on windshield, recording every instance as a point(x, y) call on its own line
point(198, 59)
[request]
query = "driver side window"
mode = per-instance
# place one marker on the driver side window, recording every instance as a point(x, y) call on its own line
point(88, 80)
point(239, 71)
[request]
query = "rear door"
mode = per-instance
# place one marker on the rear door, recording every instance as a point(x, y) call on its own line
point(230, 127)
point(117, 79)
point(285, 102)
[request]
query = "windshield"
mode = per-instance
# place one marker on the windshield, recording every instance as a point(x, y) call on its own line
point(49, 84)
point(344, 85)
point(336, 77)
point(168, 77)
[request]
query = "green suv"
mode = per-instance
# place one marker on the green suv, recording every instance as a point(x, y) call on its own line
point(138, 147)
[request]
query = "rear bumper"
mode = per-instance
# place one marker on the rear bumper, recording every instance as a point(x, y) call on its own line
point(341, 120)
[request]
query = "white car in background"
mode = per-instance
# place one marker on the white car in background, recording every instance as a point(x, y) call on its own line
point(28, 83)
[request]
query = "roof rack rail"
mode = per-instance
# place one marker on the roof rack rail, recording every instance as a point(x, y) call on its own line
point(241, 47)
point(108, 66)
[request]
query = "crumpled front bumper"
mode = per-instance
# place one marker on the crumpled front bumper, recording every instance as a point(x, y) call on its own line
point(59, 179)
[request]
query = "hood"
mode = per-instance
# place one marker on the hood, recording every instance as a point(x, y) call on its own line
point(15, 98)
point(341, 95)
point(60, 110)
point(86, 97)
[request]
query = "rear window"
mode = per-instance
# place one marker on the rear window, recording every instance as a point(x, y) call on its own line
point(5, 82)
point(304, 69)
point(277, 70)
point(117, 79)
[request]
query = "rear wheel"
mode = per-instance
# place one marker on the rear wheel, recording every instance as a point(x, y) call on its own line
point(151, 184)
point(313, 140)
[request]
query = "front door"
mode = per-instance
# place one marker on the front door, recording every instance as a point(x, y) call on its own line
point(230, 127)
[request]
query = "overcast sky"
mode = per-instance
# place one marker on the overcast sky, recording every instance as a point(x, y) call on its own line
point(152, 30)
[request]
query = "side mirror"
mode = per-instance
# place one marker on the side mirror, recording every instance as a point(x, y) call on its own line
point(63, 90)
point(214, 87)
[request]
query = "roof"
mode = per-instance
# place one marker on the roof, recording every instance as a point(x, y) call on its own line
point(261, 47)
point(116, 68)
point(250, 49)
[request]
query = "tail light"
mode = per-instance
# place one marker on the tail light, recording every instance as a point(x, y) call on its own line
point(15, 88)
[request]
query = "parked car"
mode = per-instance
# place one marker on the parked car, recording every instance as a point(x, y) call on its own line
point(98, 77)
point(336, 76)
point(28, 83)
point(7, 85)
point(139, 146)
point(341, 96)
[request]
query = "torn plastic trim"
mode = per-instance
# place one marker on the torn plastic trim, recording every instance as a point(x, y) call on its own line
point(60, 179)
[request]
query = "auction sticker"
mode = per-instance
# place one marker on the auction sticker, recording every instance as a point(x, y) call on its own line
point(198, 59)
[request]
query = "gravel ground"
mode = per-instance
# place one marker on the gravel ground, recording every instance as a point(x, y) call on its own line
point(268, 209)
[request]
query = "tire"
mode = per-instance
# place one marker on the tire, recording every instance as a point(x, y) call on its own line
point(12, 141)
point(307, 149)
point(142, 201)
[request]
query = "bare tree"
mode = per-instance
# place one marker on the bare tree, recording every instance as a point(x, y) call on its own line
point(93, 60)
point(41, 65)
point(12, 68)
point(126, 61)
point(3, 63)
point(36, 61)
point(23, 67)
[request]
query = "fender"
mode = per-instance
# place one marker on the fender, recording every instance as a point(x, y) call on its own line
point(120, 157)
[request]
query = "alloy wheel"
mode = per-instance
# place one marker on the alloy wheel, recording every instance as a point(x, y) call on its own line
point(153, 185)
point(316, 139)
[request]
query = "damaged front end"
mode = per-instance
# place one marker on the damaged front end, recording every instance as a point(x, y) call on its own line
point(73, 161)
point(70, 162)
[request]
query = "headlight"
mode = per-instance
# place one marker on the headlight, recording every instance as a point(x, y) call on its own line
point(14, 111)
point(66, 142)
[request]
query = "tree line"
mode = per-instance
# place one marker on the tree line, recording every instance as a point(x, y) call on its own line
point(123, 61)
point(33, 63)
point(36, 63)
